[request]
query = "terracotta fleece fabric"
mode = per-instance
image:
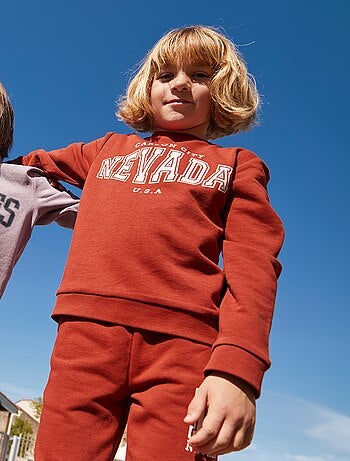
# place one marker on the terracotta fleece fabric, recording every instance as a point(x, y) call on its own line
point(154, 217)
point(142, 377)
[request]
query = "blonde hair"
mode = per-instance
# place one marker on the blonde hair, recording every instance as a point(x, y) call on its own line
point(235, 98)
point(6, 123)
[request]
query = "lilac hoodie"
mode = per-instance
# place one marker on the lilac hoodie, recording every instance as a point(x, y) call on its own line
point(27, 199)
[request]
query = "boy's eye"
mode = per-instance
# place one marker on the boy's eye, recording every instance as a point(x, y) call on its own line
point(200, 74)
point(165, 76)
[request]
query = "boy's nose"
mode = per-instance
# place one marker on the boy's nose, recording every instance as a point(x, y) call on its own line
point(181, 82)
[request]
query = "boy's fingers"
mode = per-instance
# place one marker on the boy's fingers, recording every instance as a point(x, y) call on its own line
point(196, 408)
point(209, 430)
point(229, 438)
point(221, 443)
point(245, 438)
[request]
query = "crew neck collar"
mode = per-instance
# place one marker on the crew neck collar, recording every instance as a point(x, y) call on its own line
point(174, 136)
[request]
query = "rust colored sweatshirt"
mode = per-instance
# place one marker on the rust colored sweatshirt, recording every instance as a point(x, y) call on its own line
point(154, 216)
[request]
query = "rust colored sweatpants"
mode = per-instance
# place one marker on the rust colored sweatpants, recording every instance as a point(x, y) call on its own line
point(104, 376)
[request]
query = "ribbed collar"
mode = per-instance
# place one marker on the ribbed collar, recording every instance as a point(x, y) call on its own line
point(173, 136)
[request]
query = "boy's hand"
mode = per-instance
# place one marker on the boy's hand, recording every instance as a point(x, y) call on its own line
point(229, 422)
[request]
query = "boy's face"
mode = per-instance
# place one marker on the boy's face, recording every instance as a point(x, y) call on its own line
point(180, 98)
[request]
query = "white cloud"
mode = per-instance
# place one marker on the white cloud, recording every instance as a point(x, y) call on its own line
point(265, 455)
point(306, 458)
point(269, 455)
point(292, 429)
point(333, 429)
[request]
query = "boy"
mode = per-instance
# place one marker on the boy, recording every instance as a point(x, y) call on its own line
point(146, 315)
point(26, 199)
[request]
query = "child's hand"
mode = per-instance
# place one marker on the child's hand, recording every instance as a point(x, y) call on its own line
point(228, 426)
point(56, 184)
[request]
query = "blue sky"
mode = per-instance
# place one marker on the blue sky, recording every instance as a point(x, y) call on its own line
point(65, 63)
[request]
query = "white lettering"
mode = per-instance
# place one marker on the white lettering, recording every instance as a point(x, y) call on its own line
point(153, 165)
point(123, 172)
point(149, 143)
point(220, 176)
point(107, 166)
point(168, 167)
point(195, 171)
point(147, 157)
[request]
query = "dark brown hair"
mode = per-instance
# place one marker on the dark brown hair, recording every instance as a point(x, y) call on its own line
point(6, 123)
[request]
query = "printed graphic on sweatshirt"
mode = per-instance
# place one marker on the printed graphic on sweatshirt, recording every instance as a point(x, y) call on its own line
point(155, 165)
point(8, 207)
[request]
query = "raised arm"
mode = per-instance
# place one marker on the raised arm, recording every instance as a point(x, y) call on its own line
point(70, 164)
point(53, 204)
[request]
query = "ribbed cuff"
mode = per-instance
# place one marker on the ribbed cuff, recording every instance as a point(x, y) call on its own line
point(237, 362)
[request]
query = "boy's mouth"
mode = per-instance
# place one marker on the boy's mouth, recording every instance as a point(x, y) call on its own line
point(178, 101)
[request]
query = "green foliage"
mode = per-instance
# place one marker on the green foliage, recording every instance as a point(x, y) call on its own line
point(20, 426)
point(37, 405)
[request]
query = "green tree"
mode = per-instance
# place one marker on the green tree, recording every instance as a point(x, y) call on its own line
point(20, 426)
point(37, 405)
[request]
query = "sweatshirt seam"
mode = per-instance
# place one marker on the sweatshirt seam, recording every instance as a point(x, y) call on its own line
point(140, 301)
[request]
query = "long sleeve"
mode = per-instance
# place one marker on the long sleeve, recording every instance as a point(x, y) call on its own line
point(27, 199)
point(253, 238)
point(52, 204)
point(70, 164)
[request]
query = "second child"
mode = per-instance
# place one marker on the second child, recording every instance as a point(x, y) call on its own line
point(26, 199)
